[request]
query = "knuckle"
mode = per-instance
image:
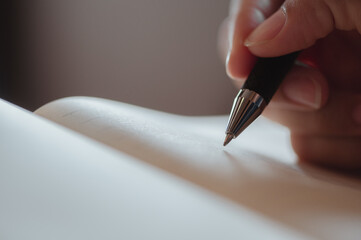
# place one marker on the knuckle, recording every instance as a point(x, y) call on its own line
point(313, 17)
point(346, 14)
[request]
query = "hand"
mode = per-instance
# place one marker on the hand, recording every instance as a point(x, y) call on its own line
point(320, 99)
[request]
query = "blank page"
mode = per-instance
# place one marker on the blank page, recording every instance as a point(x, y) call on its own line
point(258, 171)
point(56, 184)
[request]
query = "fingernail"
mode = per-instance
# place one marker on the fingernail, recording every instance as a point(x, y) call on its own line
point(357, 114)
point(304, 91)
point(229, 72)
point(267, 30)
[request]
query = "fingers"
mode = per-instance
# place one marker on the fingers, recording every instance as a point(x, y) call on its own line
point(245, 16)
point(328, 136)
point(339, 117)
point(336, 152)
point(303, 89)
point(324, 117)
point(299, 23)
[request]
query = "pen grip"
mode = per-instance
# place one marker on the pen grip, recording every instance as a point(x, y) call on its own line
point(268, 73)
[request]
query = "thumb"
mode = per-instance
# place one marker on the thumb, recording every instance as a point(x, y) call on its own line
point(299, 23)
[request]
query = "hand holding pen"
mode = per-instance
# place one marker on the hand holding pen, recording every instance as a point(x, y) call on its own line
point(320, 99)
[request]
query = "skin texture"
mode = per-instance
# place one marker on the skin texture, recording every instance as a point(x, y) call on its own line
point(320, 99)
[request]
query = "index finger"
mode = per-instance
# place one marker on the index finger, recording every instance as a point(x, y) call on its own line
point(245, 16)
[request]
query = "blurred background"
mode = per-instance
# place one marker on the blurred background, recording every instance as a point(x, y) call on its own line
point(160, 54)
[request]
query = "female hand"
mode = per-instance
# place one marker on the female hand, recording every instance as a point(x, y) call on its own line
point(320, 99)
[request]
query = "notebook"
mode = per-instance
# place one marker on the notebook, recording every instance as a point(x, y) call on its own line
point(90, 168)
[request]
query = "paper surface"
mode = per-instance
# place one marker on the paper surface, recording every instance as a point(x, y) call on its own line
point(56, 184)
point(257, 171)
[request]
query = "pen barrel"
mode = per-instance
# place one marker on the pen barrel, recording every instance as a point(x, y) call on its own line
point(268, 73)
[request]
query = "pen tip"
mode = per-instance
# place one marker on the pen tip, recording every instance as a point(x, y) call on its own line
point(228, 138)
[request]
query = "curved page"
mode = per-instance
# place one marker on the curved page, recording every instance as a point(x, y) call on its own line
point(258, 170)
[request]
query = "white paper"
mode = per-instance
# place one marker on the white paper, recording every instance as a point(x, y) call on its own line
point(56, 184)
point(257, 171)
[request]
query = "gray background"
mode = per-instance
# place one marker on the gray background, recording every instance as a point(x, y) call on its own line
point(160, 54)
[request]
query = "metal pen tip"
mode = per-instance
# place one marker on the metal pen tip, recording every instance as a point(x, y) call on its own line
point(228, 138)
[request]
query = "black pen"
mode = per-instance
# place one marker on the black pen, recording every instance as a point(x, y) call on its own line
point(256, 92)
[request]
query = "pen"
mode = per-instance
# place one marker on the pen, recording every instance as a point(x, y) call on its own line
point(256, 92)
